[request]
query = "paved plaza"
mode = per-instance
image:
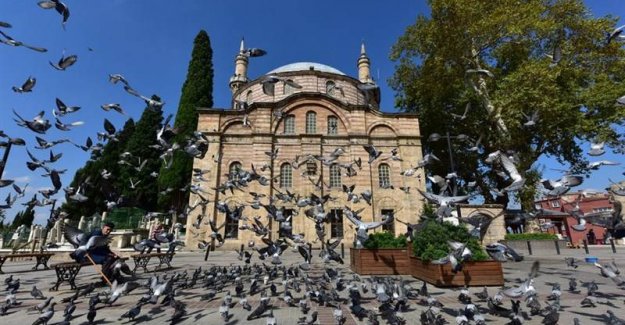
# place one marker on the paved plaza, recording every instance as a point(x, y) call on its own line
point(553, 270)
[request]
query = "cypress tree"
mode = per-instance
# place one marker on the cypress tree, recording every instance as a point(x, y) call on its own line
point(24, 217)
point(197, 91)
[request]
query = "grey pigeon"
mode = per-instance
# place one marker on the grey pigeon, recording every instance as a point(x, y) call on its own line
point(64, 62)
point(27, 87)
point(46, 316)
point(57, 5)
point(132, 313)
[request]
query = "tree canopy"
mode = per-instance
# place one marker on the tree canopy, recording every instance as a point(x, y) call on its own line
point(197, 91)
point(97, 189)
point(483, 68)
point(24, 217)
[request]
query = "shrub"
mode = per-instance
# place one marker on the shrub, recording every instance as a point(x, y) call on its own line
point(531, 236)
point(431, 242)
point(385, 239)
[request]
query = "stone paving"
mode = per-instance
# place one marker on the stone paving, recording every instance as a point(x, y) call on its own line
point(553, 269)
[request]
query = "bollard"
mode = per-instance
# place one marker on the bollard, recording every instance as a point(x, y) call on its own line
point(557, 247)
point(242, 247)
point(310, 250)
point(323, 246)
point(342, 250)
point(585, 246)
point(612, 244)
point(529, 247)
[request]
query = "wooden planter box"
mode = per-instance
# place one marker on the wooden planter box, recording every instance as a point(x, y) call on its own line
point(486, 273)
point(381, 261)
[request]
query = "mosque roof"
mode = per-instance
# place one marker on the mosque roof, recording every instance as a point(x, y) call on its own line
point(306, 66)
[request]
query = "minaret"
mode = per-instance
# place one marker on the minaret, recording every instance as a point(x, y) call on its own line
point(240, 70)
point(364, 71)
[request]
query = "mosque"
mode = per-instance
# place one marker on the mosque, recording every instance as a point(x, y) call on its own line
point(308, 109)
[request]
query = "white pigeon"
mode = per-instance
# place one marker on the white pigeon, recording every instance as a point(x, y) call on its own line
point(444, 202)
point(596, 149)
point(527, 286)
point(363, 227)
point(596, 164)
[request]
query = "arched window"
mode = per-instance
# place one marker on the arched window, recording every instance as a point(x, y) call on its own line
point(311, 122)
point(335, 176)
point(288, 89)
point(286, 176)
point(233, 172)
point(289, 124)
point(384, 173)
point(333, 125)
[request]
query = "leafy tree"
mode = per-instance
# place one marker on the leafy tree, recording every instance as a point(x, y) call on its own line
point(197, 91)
point(141, 144)
point(493, 57)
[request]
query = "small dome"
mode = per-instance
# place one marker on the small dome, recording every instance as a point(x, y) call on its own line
point(306, 66)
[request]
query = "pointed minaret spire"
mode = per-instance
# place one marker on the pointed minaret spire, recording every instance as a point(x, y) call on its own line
point(240, 69)
point(364, 70)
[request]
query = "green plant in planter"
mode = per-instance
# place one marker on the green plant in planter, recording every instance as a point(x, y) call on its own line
point(531, 236)
point(431, 242)
point(385, 239)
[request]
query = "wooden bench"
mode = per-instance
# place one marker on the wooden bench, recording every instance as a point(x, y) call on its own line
point(41, 258)
point(68, 271)
point(142, 260)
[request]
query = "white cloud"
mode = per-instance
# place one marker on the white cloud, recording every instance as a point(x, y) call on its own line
point(22, 179)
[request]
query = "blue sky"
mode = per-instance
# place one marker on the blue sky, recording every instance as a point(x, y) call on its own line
point(150, 42)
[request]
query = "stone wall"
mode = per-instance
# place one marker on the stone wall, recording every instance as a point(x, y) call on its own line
point(230, 142)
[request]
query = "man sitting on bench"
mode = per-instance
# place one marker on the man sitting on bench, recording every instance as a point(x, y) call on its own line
point(103, 255)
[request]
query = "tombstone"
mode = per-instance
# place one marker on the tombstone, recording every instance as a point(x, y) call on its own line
point(62, 239)
point(51, 236)
point(96, 221)
point(20, 233)
point(35, 236)
point(82, 223)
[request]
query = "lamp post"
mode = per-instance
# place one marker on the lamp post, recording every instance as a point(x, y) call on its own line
point(45, 229)
point(434, 137)
point(5, 157)
point(7, 149)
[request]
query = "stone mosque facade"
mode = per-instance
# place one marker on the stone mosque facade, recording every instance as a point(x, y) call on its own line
point(329, 111)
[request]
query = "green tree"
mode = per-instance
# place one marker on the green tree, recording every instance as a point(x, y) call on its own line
point(494, 56)
point(197, 91)
point(99, 190)
point(24, 217)
point(141, 144)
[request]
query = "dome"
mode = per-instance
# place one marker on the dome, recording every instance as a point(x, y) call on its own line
point(306, 66)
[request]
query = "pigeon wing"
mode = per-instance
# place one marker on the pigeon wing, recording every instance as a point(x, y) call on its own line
point(98, 241)
point(73, 235)
point(109, 127)
point(303, 252)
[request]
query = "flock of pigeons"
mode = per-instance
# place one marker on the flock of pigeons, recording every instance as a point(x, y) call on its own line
point(298, 286)
point(257, 289)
